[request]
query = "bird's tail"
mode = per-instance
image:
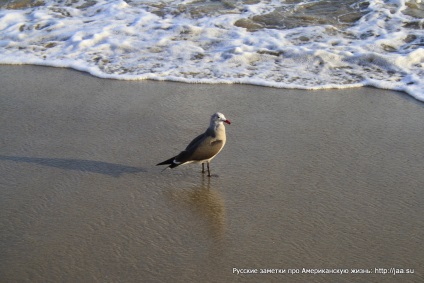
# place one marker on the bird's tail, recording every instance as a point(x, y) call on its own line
point(166, 162)
point(171, 162)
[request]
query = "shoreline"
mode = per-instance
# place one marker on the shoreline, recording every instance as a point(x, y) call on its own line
point(211, 82)
point(307, 179)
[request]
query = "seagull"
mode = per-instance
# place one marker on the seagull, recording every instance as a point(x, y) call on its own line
point(204, 147)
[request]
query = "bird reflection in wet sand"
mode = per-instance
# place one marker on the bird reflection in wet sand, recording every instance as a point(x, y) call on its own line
point(205, 202)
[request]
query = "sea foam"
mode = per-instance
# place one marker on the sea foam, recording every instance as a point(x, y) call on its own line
point(243, 42)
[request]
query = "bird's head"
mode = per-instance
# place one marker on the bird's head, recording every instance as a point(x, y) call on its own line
point(219, 118)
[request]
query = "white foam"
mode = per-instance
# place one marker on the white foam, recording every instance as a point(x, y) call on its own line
point(114, 39)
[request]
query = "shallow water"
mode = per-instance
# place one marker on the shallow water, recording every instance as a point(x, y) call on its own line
point(314, 180)
point(287, 44)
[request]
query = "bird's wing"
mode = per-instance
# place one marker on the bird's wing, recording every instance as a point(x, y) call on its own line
point(200, 149)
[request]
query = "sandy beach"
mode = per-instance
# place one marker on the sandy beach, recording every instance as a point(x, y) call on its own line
point(309, 181)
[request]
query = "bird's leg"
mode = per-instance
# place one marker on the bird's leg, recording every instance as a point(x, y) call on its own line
point(209, 172)
point(203, 168)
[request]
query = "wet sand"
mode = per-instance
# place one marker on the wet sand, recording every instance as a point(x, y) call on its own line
point(308, 180)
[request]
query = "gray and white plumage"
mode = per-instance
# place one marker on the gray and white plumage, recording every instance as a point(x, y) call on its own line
point(204, 147)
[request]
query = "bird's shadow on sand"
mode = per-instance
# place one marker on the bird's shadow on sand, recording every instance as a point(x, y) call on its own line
point(100, 167)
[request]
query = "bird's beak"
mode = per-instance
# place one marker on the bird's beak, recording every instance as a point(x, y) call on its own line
point(228, 122)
